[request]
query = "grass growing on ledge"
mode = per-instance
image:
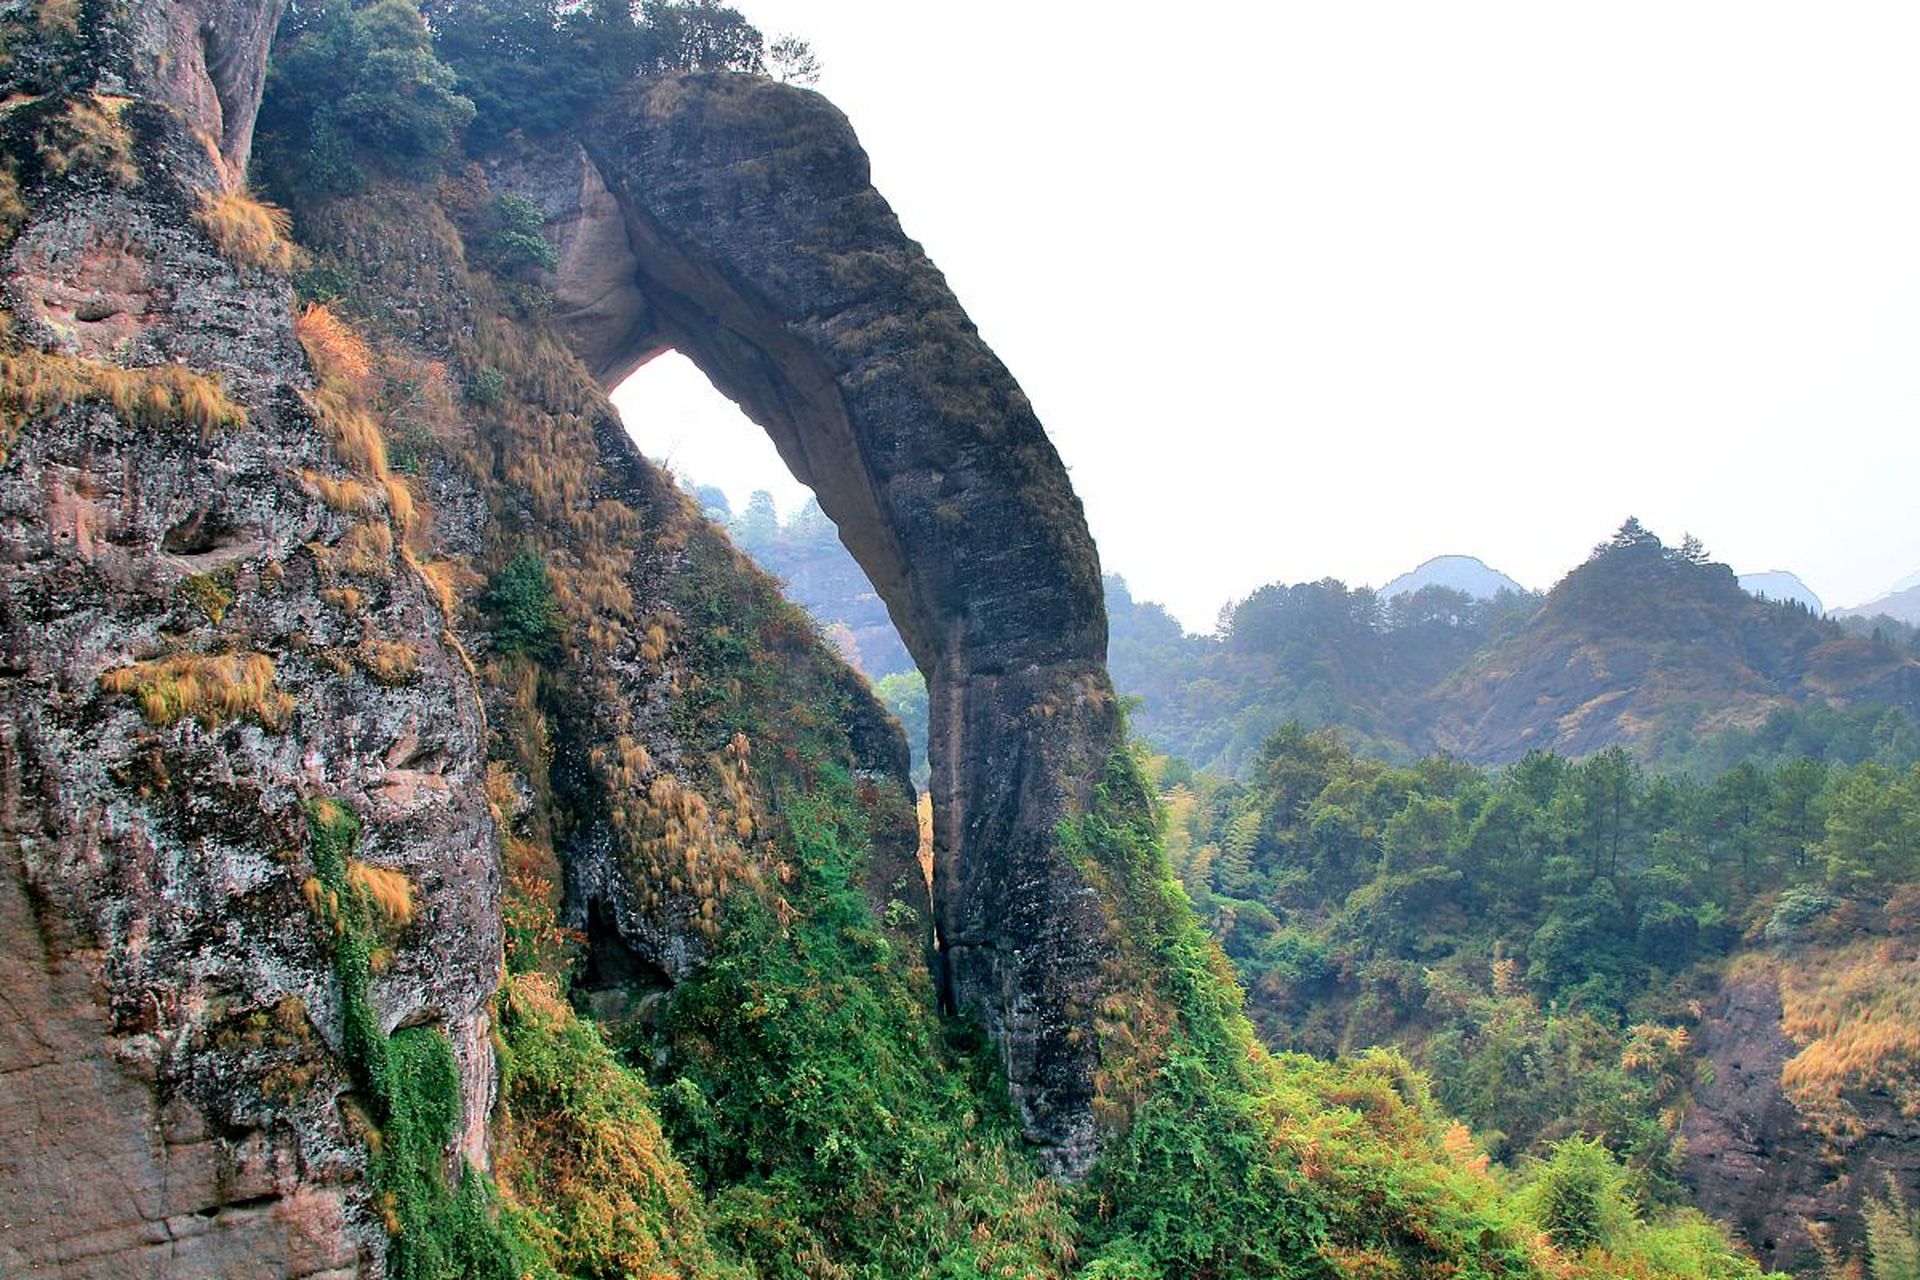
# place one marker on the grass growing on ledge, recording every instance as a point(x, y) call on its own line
point(35, 384)
point(92, 134)
point(248, 232)
point(582, 1153)
point(212, 688)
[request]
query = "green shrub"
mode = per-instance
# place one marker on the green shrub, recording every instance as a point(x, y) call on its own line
point(521, 605)
point(1580, 1196)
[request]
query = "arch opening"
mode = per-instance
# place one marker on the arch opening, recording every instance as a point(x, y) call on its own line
point(727, 462)
point(731, 219)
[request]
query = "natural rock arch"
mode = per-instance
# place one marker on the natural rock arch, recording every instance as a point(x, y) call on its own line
point(732, 219)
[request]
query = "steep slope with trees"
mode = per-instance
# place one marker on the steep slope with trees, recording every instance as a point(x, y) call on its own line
point(1655, 647)
point(1715, 979)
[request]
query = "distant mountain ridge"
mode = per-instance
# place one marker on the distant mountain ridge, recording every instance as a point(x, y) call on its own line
point(1901, 602)
point(1470, 574)
point(1781, 584)
point(1644, 646)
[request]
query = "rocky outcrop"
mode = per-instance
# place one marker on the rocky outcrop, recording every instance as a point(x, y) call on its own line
point(180, 679)
point(732, 219)
point(204, 639)
point(1750, 1159)
point(209, 59)
point(1753, 1160)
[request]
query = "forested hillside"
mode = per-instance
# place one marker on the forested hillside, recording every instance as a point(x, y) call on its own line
point(1576, 947)
point(1652, 648)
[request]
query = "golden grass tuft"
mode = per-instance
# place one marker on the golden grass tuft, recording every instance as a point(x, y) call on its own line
point(399, 499)
point(389, 892)
point(366, 552)
point(356, 435)
point(211, 688)
point(322, 901)
point(388, 662)
point(347, 496)
point(34, 384)
point(346, 599)
point(337, 353)
point(1856, 1014)
point(249, 232)
point(93, 134)
point(450, 581)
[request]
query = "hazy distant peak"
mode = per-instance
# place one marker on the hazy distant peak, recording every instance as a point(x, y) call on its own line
point(1902, 603)
point(1470, 574)
point(1781, 584)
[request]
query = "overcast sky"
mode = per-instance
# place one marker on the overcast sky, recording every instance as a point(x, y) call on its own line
point(1322, 289)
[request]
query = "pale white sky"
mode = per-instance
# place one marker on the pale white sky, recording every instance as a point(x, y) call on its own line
point(1326, 289)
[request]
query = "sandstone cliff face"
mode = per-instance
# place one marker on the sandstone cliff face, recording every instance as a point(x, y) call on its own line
point(174, 685)
point(203, 638)
point(1755, 1160)
point(732, 219)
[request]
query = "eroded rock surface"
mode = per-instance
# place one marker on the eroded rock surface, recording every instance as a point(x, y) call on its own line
point(733, 219)
point(171, 1054)
point(1755, 1162)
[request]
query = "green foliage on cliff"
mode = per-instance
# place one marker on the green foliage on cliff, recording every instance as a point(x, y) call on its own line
point(826, 1108)
point(411, 1089)
point(1345, 1165)
point(1539, 937)
point(599, 1191)
point(355, 91)
point(520, 600)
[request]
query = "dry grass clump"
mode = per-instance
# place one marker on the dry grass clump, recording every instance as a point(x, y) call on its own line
point(399, 500)
point(678, 848)
point(388, 662)
point(338, 354)
point(92, 134)
point(366, 552)
point(450, 581)
point(343, 364)
point(249, 232)
point(34, 384)
point(582, 1150)
point(212, 688)
point(1857, 1014)
point(389, 892)
point(347, 496)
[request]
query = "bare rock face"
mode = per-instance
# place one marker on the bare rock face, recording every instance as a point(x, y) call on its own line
point(179, 678)
point(1755, 1162)
point(209, 60)
point(733, 219)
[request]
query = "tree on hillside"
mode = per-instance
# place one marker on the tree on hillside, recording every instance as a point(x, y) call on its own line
point(354, 89)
